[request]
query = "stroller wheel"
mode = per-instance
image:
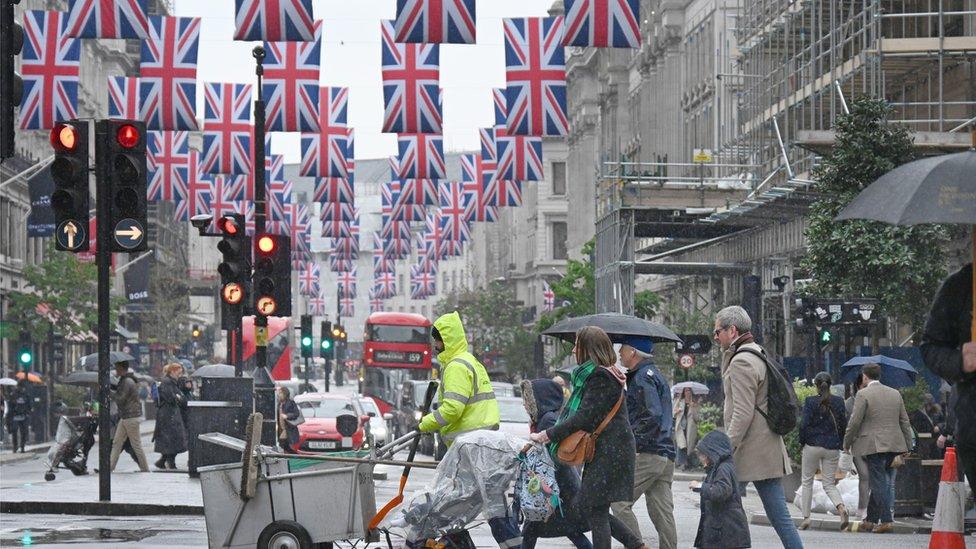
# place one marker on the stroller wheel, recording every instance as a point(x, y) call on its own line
point(49, 476)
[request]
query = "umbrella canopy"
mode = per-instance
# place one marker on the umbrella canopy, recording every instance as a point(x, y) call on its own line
point(85, 378)
point(616, 325)
point(7, 381)
point(894, 372)
point(90, 362)
point(696, 388)
point(31, 377)
point(216, 370)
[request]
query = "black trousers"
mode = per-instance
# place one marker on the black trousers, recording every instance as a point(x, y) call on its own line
point(19, 428)
point(966, 464)
point(603, 526)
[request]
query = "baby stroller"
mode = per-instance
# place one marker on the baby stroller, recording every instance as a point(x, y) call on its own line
point(72, 442)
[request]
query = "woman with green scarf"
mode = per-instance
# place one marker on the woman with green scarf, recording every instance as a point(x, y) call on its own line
point(597, 386)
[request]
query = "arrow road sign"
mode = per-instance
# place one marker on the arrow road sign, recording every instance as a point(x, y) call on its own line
point(71, 235)
point(129, 234)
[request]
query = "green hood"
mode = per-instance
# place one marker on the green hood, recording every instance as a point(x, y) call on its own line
point(452, 331)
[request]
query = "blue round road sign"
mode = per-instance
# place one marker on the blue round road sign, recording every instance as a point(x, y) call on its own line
point(71, 234)
point(129, 233)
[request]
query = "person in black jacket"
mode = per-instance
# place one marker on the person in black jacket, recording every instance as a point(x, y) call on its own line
point(609, 477)
point(170, 433)
point(821, 435)
point(287, 413)
point(19, 416)
point(948, 351)
point(723, 523)
point(543, 399)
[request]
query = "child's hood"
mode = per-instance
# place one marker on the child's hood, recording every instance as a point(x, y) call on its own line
point(716, 446)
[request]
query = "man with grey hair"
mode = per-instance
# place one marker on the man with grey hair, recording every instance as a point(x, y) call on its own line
point(649, 413)
point(759, 454)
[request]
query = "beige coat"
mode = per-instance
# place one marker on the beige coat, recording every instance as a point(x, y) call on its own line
point(878, 423)
point(758, 452)
point(688, 438)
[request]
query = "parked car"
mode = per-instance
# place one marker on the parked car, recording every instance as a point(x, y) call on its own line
point(333, 422)
point(296, 386)
point(378, 428)
point(406, 413)
point(503, 389)
point(514, 419)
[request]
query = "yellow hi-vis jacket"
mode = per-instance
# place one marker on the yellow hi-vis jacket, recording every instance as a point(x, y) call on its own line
point(467, 401)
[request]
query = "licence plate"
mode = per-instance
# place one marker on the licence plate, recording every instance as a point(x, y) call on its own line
point(322, 444)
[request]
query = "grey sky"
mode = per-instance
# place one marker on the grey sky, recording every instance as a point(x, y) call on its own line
point(351, 58)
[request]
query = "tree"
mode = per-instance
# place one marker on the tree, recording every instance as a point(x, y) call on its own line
point(60, 296)
point(900, 266)
point(165, 320)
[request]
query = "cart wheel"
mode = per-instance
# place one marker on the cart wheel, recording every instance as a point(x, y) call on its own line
point(284, 534)
point(323, 545)
point(49, 476)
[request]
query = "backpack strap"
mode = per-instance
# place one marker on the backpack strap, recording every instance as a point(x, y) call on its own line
point(762, 355)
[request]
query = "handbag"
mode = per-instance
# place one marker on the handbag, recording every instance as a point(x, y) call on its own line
point(578, 448)
point(297, 421)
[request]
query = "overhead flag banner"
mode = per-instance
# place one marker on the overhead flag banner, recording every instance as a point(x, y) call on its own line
point(435, 21)
point(198, 189)
point(411, 86)
point(50, 65)
point(168, 164)
point(325, 153)
point(291, 84)
point(107, 19)
point(274, 20)
point(602, 23)
point(123, 97)
point(519, 157)
point(227, 128)
point(168, 73)
point(535, 73)
point(421, 156)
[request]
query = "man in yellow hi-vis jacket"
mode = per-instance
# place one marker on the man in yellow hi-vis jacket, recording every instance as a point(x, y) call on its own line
point(466, 402)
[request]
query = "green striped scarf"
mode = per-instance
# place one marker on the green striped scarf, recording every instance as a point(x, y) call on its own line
point(578, 380)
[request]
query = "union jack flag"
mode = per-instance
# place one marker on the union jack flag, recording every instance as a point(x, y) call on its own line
point(501, 107)
point(435, 21)
point(376, 304)
point(308, 280)
point(50, 64)
point(339, 264)
point(478, 207)
point(279, 197)
point(325, 153)
point(451, 248)
point(299, 227)
point(198, 189)
point(396, 248)
point(535, 71)
point(168, 162)
point(247, 209)
point(334, 189)
point(548, 297)
point(274, 167)
point(347, 247)
point(347, 307)
point(347, 282)
point(227, 128)
point(335, 228)
point(519, 157)
point(423, 282)
point(411, 74)
point(168, 73)
point(107, 19)
point(421, 157)
point(351, 156)
point(123, 97)
point(337, 211)
point(384, 285)
point(225, 195)
point(419, 192)
point(317, 305)
point(382, 264)
point(453, 219)
point(291, 84)
point(504, 193)
point(602, 23)
point(274, 20)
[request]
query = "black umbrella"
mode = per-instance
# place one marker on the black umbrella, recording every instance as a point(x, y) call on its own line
point(90, 362)
point(84, 378)
point(616, 325)
point(216, 370)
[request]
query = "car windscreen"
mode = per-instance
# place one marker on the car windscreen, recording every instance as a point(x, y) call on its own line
point(511, 410)
point(325, 408)
point(419, 392)
point(369, 405)
point(386, 333)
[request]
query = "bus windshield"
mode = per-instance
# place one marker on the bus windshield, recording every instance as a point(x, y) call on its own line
point(385, 333)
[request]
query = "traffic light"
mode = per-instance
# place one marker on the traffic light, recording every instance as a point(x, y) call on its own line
point(57, 348)
point(804, 313)
point(25, 354)
point(272, 275)
point(235, 270)
point(196, 332)
point(121, 171)
point(306, 341)
point(327, 345)
point(824, 336)
point(70, 199)
point(11, 84)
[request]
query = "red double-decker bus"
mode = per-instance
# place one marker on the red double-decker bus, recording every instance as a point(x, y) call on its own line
point(279, 346)
point(396, 347)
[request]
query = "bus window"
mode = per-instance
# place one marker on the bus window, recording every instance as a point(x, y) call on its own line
point(398, 334)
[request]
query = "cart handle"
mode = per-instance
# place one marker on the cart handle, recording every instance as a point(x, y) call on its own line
point(420, 464)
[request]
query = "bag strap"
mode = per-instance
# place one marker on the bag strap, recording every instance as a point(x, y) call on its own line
point(606, 420)
point(769, 371)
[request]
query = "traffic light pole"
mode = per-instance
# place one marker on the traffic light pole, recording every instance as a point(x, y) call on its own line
point(103, 262)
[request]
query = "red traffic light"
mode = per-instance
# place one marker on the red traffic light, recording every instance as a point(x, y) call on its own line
point(127, 135)
point(232, 293)
point(266, 305)
point(228, 225)
point(64, 137)
point(266, 244)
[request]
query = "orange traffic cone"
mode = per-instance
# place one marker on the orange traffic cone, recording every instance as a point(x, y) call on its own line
point(950, 508)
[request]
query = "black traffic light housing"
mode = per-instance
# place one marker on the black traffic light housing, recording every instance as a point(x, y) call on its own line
point(804, 313)
point(70, 200)
point(25, 353)
point(306, 336)
point(11, 84)
point(272, 275)
point(235, 270)
point(327, 345)
point(120, 154)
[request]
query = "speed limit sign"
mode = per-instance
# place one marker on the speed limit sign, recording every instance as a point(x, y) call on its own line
point(686, 361)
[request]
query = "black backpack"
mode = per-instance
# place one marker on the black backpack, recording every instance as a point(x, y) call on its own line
point(781, 404)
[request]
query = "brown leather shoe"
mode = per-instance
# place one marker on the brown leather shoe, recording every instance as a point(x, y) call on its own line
point(845, 519)
point(884, 528)
point(865, 526)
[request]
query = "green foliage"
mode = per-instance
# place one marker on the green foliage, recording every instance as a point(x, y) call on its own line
point(792, 439)
point(165, 321)
point(900, 266)
point(709, 418)
point(914, 397)
point(66, 290)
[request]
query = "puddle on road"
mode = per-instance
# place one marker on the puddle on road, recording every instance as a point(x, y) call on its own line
point(27, 538)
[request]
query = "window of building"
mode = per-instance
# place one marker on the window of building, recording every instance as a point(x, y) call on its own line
point(559, 178)
point(559, 236)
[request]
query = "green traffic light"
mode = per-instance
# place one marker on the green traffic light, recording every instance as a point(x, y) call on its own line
point(326, 344)
point(825, 336)
point(306, 341)
point(26, 357)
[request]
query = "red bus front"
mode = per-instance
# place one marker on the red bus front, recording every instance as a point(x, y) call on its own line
point(279, 346)
point(396, 348)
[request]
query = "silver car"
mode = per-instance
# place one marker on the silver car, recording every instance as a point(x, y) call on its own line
point(377, 423)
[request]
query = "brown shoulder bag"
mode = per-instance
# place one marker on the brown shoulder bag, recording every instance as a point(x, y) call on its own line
point(578, 448)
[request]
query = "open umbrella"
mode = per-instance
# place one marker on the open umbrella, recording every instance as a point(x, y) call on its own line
point(90, 362)
point(616, 325)
point(696, 388)
point(7, 381)
point(894, 372)
point(940, 189)
point(31, 377)
point(85, 378)
point(216, 370)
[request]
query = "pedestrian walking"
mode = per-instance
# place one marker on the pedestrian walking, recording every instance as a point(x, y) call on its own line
point(948, 351)
point(170, 433)
point(609, 476)
point(879, 431)
point(685, 411)
point(543, 399)
point(860, 465)
point(289, 418)
point(723, 523)
point(466, 402)
point(126, 397)
point(21, 406)
point(821, 436)
point(649, 415)
point(759, 454)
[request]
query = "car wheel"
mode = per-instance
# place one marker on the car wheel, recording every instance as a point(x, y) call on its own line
point(284, 534)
